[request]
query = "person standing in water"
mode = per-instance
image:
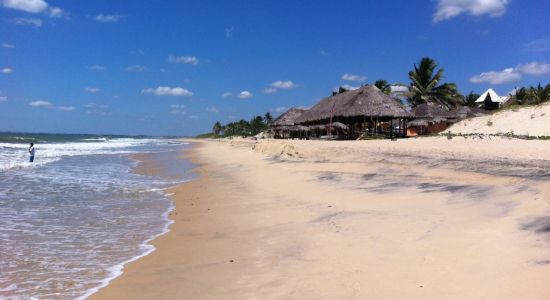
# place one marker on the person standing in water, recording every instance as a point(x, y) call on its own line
point(31, 152)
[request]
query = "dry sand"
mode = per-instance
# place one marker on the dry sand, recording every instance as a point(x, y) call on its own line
point(530, 120)
point(426, 218)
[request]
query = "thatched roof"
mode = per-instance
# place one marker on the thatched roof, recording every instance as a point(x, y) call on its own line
point(366, 101)
point(430, 111)
point(288, 118)
point(463, 112)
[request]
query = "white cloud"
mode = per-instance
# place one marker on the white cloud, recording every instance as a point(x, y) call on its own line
point(6, 45)
point(167, 91)
point(447, 9)
point(28, 21)
point(280, 84)
point(270, 90)
point(507, 75)
point(30, 6)
point(212, 110)
point(192, 60)
point(193, 117)
point(534, 68)
point(7, 70)
point(56, 12)
point(66, 108)
point(41, 103)
point(323, 52)
point(245, 95)
point(107, 18)
point(177, 106)
point(97, 68)
point(350, 77)
point(34, 7)
point(136, 68)
point(3, 98)
point(227, 94)
point(539, 45)
point(92, 90)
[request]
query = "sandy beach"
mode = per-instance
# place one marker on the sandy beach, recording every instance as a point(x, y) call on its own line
point(426, 218)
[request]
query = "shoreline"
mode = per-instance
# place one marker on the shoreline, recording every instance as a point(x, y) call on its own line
point(279, 219)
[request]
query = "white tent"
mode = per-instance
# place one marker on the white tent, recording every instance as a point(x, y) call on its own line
point(492, 94)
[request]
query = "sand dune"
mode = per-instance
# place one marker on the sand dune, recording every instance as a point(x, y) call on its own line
point(531, 121)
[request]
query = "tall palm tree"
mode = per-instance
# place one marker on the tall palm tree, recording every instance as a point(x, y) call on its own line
point(426, 87)
point(383, 85)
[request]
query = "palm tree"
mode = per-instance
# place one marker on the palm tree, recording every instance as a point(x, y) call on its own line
point(470, 99)
point(217, 128)
point(539, 94)
point(383, 85)
point(426, 87)
point(268, 118)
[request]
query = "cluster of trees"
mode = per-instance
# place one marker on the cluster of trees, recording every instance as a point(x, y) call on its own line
point(243, 128)
point(531, 95)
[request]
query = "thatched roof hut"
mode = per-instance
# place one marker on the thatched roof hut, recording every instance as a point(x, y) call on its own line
point(429, 113)
point(288, 118)
point(367, 101)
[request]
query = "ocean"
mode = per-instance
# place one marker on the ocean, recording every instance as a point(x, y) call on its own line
point(73, 218)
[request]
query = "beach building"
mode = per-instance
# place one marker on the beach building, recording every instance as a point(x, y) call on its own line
point(366, 111)
point(428, 118)
point(491, 100)
point(284, 127)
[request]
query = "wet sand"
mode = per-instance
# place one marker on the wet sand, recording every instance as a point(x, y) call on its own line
point(415, 219)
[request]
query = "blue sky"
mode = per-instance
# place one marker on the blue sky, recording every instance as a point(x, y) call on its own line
point(175, 67)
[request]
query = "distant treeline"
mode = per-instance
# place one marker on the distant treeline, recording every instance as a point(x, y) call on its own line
point(240, 128)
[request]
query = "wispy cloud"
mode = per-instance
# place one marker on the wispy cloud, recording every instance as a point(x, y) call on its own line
point(92, 90)
point(28, 21)
point(534, 68)
point(284, 84)
point(7, 70)
point(245, 95)
point(228, 32)
point(3, 98)
point(193, 117)
point(447, 9)
point(34, 7)
point(510, 75)
point(280, 109)
point(270, 90)
point(227, 94)
point(507, 75)
point(178, 109)
point(351, 77)
point(6, 45)
point(212, 110)
point(97, 109)
point(48, 104)
point(66, 108)
point(97, 67)
point(167, 91)
point(136, 68)
point(191, 60)
point(539, 45)
point(41, 103)
point(107, 18)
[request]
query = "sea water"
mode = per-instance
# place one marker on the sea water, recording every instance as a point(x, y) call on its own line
point(72, 219)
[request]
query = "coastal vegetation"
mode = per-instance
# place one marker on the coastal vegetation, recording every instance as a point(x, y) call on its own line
point(240, 128)
point(530, 95)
